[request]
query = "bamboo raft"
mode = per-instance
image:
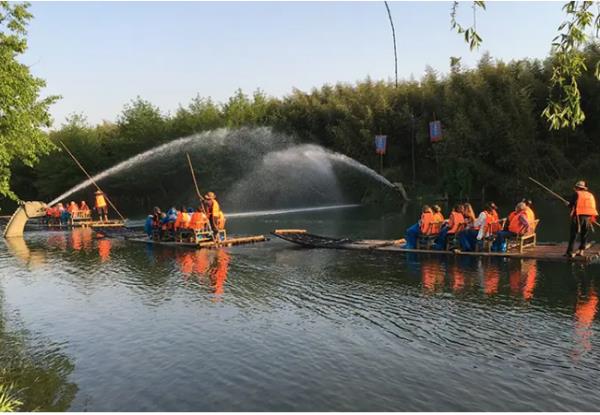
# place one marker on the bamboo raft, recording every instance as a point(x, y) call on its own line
point(113, 223)
point(546, 252)
point(244, 240)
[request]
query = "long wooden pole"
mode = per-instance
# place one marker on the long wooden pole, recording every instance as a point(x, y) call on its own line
point(91, 179)
point(200, 196)
point(549, 190)
point(557, 196)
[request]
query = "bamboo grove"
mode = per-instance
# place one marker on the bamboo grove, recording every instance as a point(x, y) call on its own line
point(494, 134)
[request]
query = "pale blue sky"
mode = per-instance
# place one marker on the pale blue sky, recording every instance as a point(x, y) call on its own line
point(99, 56)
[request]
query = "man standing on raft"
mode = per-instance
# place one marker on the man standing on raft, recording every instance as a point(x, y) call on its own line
point(583, 215)
point(101, 206)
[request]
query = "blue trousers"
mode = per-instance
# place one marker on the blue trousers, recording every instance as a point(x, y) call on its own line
point(440, 241)
point(468, 240)
point(411, 235)
point(499, 244)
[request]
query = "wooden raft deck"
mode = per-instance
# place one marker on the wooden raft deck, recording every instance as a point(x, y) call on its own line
point(546, 252)
point(208, 244)
point(88, 224)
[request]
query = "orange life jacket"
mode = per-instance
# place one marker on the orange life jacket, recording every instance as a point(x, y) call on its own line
point(456, 220)
point(216, 209)
point(198, 221)
point(426, 220)
point(495, 215)
point(219, 221)
point(100, 201)
point(530, 215)
point(515, 224)
point(586, 204)
point(492, 222)
point(179, 220)
point(438, 217)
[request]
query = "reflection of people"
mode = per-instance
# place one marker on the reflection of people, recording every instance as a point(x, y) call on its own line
point(218, 274)
point(104, 246)
point(432, 276)
point(585, 312)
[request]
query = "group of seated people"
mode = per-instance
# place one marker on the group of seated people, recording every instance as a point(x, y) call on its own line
point(468, 231)
point(207, 221)
point(61, 215)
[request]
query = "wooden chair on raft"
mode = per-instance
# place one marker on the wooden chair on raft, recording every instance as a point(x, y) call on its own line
point(527, 240)
point(452, 240)
point(197, 236)
point(490, 234)
point(427, 239)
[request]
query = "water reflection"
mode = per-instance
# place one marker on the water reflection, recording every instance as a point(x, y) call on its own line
point(104, 246)
point(205, 265)
point(37, 368)
point(19, 249)
point(586, 308)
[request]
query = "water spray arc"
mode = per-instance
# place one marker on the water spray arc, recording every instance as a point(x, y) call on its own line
point(248, 165)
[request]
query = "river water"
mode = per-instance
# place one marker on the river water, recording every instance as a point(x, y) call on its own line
point(106, 325)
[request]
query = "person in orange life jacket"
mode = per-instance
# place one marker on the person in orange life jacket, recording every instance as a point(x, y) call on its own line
point(468, 214)
point(455, 222)
point(198, 220)
point(422, 226)
point(84, 208)
point(472, 236)
point(213, 211)
point(438, 216)
point(529, 210)
point(183, 219)
point(583, 215)
point(518, 224)
point(100, 205)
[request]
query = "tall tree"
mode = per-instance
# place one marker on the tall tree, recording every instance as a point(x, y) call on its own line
point(23, 113)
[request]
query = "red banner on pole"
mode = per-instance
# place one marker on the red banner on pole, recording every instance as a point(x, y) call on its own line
point(380, 144)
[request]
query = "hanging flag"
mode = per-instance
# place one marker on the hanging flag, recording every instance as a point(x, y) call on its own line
point(435, 131)
point(380, 144)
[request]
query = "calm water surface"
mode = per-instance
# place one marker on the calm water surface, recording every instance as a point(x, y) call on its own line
point(108, 325)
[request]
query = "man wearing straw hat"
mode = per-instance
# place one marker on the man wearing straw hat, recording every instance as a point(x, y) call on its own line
point(583, 216)
point(101, 206)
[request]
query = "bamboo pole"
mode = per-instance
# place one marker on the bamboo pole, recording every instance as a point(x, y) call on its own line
point(91, 179)
point(559, 197)
point(200, 196)
point(549, 190)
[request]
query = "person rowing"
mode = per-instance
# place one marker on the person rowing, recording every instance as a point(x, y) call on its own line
point(583, 216)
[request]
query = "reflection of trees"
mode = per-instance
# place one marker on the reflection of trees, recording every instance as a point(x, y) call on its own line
point(38, 371)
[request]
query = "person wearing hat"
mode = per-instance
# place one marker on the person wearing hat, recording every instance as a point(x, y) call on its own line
point(101, 206)
point(583, 215)
point(213, 210)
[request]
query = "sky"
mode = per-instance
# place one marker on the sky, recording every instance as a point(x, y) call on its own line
point(100, 55)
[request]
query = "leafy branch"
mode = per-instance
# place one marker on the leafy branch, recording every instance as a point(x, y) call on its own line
point(564, 105)
point(470, 33)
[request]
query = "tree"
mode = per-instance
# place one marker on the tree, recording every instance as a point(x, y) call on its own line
point(563, 108)
point(23, 113)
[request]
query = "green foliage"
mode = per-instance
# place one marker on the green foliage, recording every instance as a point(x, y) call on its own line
point(23, 113)
point(563, 109)
point(470, 33)
point(493, 136)
point(8, 400)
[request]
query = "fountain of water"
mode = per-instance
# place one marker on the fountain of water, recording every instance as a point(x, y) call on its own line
point(250, 168)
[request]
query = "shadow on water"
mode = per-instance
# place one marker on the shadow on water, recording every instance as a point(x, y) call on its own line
point(157, 328)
